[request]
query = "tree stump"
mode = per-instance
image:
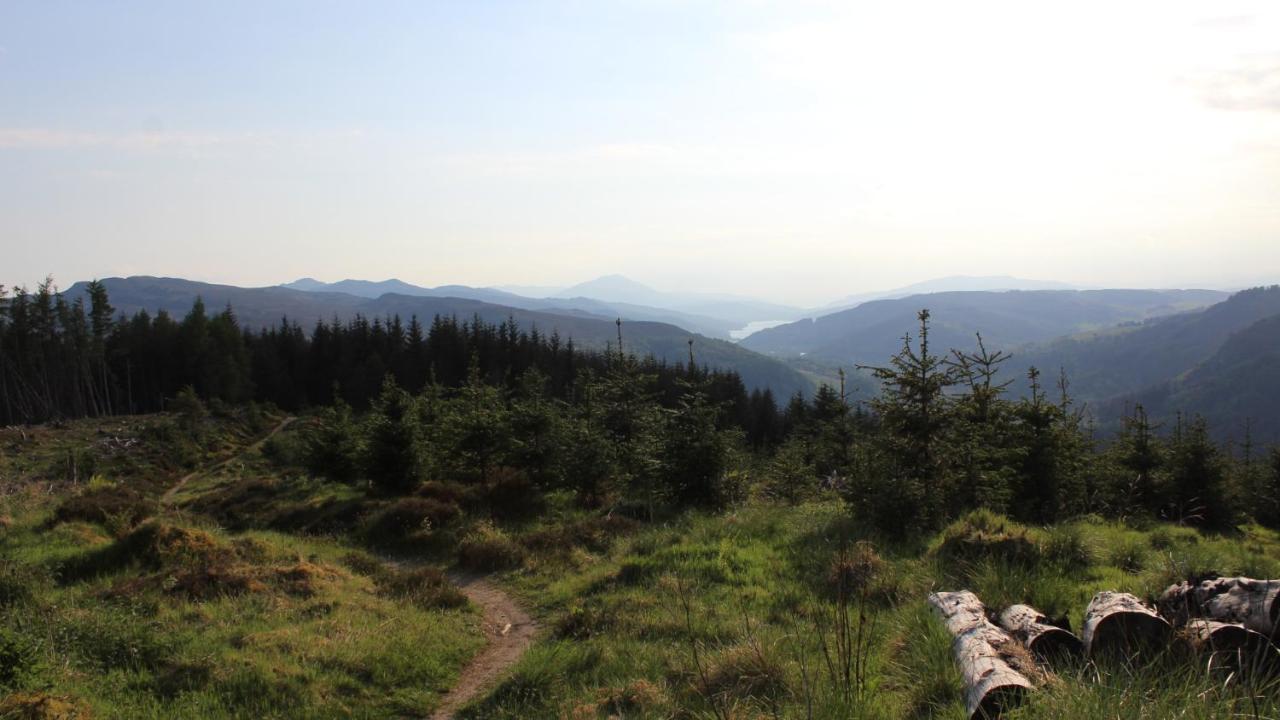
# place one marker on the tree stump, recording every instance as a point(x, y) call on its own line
point(986, 655)
point(1251, 603)
point(1119, 624)
point(1045, 641)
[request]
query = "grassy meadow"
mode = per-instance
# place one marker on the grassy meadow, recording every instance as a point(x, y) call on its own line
point(259, 591)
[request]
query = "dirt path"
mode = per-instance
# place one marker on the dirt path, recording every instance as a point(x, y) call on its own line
point(167, 498)
point(510, 631)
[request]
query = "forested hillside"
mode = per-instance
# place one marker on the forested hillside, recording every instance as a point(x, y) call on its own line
point(1127, 359)
point(1237, 389)
point(1009, 319)
point(71, 359)
point(257, 308)
point(572, 305)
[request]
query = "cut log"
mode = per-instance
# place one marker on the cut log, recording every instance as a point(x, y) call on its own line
point(1119, 624)
point(988, 657)
point(1231, 645)
point(1251, 603)
point(1045, 641)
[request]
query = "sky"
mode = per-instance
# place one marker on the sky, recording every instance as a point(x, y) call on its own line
point(796, 150)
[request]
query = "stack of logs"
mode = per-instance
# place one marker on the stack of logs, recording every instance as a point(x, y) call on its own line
point(1231, 619)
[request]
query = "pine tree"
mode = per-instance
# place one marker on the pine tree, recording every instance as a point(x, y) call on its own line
point(333, 444)
point(1198, 491)
point(986, 452)
point(392, 460)
point(912, 475)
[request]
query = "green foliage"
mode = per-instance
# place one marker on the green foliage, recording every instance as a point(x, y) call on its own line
point(1198, 485)
point(488, 548)
point(190, 410)
point(791, 476)
point(695, 454)
point(333, 448)
point(392, 457)
point(907, 488)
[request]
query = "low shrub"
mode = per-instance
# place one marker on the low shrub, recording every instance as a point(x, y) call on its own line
point(583, 620)
point(984, 535)
point(121, 506)
point(513, 496)
point(1067, 547)
point(19, 658)
point(407, 518)
point(858, 572)
point(42, 706)
point(595, 534)
point(286, 451)
point(487, 548)
point(19, 583)
point(1130, 556)
point(745, 672)
point(426, 587)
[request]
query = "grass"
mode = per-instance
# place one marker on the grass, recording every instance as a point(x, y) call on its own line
point(175, 616)
point(756, 582)
point(264, 593)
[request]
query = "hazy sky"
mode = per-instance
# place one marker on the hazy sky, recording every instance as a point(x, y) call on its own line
point(795, 150)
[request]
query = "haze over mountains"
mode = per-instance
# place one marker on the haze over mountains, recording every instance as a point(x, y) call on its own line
point(267, 306)
point(1203, 351)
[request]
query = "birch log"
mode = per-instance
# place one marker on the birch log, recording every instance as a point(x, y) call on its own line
point(1231, 645)
point(1031, 628)
point(1252, 603)
point(1118, 623)
point(983, 652)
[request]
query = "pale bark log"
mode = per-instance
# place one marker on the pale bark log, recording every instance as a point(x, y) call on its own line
point(1118, 623)
point(1231, 646)
point(985, 654)
point(1046, 642)
point(1252, 603)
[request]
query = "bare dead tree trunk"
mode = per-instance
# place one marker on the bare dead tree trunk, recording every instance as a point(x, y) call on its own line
point(1251, 603)
point(990, 659)
point(1119, 624)
point(1045, 641)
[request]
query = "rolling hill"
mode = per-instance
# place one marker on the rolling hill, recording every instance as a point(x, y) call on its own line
point(1238, 384)
point(262, 307)
point(870, 333)
point(608, 310)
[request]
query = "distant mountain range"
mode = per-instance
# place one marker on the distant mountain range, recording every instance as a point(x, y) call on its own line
point(263, 307)
point(954, 283)
point(1194, 351)
point(872, 332)
point(604, 308)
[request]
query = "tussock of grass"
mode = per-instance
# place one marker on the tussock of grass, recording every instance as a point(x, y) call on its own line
point(488, 548)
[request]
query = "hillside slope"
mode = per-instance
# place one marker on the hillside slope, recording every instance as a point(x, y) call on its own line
point(1125, 360)
point(575, 305)
point(264, 307)
point(873, 331)
point(1239, 384)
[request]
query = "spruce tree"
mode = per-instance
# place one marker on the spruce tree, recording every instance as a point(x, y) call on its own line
point(986, 452)
point(392, 459)
point(333, 443)
point(1198, 489)
point(909, 484)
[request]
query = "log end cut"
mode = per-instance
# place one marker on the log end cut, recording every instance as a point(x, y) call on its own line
point(1129, 633)
point(999, 699)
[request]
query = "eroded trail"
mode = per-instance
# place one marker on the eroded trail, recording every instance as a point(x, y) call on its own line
point(510, 631)
point(167, 498)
